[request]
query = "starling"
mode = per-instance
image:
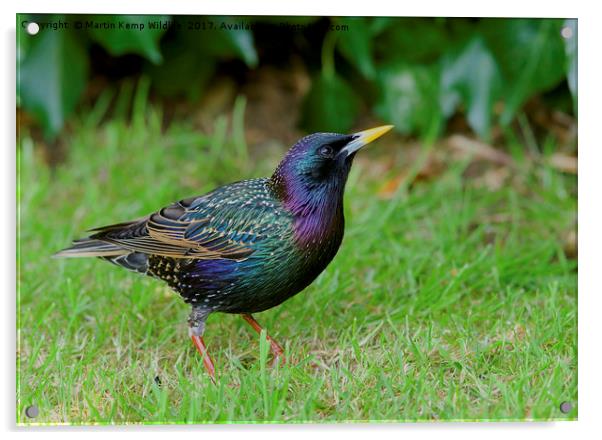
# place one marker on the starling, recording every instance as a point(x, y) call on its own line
point(247, 246)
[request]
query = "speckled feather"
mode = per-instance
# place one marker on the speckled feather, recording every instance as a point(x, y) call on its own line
point(244, 247)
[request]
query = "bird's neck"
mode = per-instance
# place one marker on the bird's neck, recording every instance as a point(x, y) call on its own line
point(317, 210)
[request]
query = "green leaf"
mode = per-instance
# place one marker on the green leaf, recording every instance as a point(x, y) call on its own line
point(412, 40)
point(471, 77)
point(241, 43)
point(330, 105)
point(570, 49)
point(229, 38)
point(132, 34)
point(23, 39)
point(356, 44)
point(379, 24)
point(409, 97)
point(185, 73)
point(52, 78)
point(530, 53)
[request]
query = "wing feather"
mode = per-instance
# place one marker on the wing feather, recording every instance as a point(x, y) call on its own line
point(213, 226)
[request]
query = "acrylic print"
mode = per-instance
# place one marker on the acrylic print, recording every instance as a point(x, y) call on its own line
point(296, 219)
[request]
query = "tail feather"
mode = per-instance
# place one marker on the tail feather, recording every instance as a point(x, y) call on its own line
point(134, 261)
point(89, 247)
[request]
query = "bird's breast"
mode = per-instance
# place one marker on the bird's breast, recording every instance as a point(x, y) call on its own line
point(322, 229)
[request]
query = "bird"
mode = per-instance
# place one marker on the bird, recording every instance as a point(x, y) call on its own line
point(244, 247)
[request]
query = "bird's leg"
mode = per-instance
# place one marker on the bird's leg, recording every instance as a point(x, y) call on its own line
point(196, 322)
point(277, 350)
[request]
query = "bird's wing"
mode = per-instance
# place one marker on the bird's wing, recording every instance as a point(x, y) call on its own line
point(226, 223)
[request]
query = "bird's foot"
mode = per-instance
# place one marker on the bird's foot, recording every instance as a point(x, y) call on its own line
point(277, 352)
point(278, 356)
point(275, 348)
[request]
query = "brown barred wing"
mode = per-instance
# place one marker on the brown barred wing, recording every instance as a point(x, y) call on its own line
point(226, 223)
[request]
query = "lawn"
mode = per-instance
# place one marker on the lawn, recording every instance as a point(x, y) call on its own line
point(451, 298)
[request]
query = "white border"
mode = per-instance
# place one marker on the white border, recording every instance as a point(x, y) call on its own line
point(590, 221)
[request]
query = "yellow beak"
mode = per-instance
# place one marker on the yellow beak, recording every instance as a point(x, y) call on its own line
point(364, 138)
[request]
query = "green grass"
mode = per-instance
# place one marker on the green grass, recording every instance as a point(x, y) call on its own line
point(446, 301)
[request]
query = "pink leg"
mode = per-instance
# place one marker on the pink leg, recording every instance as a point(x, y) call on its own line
point(277, 350)
point(202, 349)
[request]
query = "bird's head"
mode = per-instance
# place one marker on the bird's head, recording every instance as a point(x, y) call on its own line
point(318, 164)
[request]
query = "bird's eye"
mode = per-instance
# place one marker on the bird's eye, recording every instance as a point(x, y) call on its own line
point(326, 151)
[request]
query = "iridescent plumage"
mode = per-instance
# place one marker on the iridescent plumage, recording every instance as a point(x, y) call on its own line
point(247, 246)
